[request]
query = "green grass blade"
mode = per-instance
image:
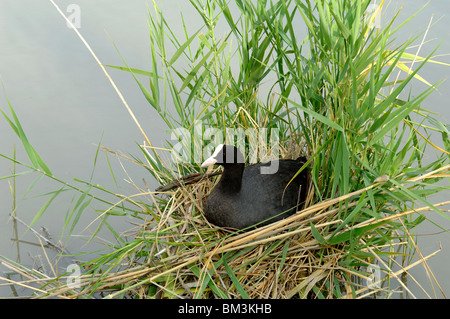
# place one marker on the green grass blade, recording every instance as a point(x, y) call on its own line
point(132, 70)
point(34, 157)
point(182, 48)
point(317, 116)
point(235, 281)
point(45, 206)
point(317, 235)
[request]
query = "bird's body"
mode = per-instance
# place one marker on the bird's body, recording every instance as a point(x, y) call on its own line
point(245, 196)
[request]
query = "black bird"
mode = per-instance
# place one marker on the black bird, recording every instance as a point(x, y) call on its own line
point(254, 194)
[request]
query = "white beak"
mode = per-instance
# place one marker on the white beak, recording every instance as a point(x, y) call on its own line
point(212, 160)
point(209, 162)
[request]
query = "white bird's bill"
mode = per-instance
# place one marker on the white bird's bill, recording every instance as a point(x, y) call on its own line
point(212, 160)
point(209, 162)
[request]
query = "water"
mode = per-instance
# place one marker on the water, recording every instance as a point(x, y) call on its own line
point(66, 106)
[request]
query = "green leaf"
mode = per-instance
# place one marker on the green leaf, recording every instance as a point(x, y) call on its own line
point(182, 48)
point(316, 115)
point(34, 157)
point(399, 115)
point(345, 31)
point(351, 233)
point(317, 236)
point(82, 206)
point(45, 206)
point(206, 281)
point(200, 64)
point(132, 70)
point(235, 281)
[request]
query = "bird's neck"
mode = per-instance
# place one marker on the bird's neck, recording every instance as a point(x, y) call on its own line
point(231, 180)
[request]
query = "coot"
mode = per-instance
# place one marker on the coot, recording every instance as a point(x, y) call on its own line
point(254, 194)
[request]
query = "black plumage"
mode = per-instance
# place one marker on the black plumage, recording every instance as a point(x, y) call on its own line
point(244, 196)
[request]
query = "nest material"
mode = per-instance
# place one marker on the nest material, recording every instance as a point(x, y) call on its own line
point(286, 259)
point(263, 266)
point(203, 261)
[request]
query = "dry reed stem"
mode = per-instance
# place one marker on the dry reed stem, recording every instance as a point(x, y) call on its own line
point(399, 272)
point(427, 268)
point(86, 44)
